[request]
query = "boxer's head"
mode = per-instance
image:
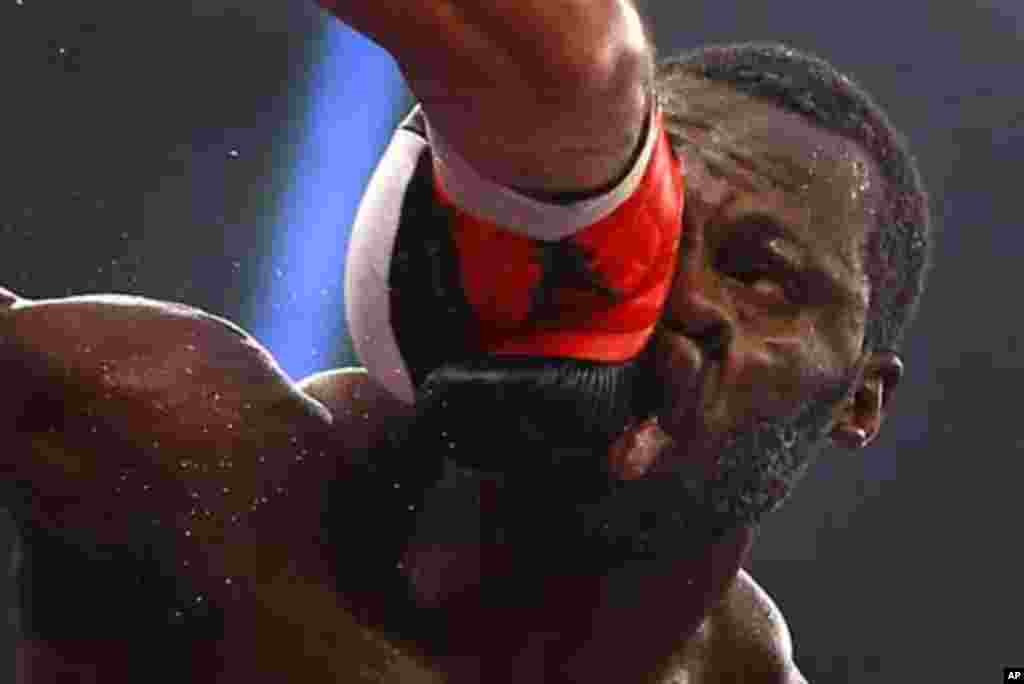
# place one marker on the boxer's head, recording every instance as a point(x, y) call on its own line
point(804, 251)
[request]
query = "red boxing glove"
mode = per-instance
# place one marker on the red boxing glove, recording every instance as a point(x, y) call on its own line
point(602, 290)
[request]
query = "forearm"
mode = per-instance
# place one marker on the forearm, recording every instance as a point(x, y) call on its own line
point(467, 40)
point(537, 94)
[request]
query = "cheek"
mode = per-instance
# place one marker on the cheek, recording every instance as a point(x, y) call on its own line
point(772, 376)
point(848, 337)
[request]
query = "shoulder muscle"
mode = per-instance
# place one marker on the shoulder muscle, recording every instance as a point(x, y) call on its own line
point(752, 630)
point(744, 639)
point(751, 607)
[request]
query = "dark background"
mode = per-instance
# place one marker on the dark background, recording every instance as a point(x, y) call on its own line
point(898, 564)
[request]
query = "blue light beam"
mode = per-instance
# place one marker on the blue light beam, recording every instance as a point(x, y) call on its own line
point(354, 93)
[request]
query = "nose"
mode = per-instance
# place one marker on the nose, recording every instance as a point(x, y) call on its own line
point(698, 306)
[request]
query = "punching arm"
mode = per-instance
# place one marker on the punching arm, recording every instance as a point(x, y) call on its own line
point(544, 96)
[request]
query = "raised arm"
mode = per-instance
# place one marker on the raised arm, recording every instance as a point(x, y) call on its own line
point(545, 96)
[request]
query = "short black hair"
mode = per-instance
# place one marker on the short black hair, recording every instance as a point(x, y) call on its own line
point(900, 250)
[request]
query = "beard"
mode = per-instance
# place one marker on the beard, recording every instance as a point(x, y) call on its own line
point(539, 435)
point(679, 512)
point(555, 505)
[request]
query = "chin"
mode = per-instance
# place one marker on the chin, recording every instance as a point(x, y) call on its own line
point(696, 487)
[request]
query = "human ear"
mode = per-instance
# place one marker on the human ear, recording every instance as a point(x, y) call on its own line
point(860, 419)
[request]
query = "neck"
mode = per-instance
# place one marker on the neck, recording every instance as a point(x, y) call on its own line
point(512, 607)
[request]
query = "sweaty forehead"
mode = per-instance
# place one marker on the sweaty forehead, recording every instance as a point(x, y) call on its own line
point(752, 153)
point(779, 145)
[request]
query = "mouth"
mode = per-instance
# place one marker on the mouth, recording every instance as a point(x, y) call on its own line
point(670, 406)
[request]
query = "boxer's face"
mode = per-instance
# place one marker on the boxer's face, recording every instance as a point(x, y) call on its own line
point(758, 355)
point(771, 264)
point(759, 351)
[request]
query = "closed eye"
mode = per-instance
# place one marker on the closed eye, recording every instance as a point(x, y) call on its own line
point(763, 270)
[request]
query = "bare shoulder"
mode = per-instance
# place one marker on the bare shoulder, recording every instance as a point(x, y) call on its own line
point(745, 638)
point(755, 617)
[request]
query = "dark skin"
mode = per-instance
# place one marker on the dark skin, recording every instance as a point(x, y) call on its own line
point(794, 325)
point(777, 215)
